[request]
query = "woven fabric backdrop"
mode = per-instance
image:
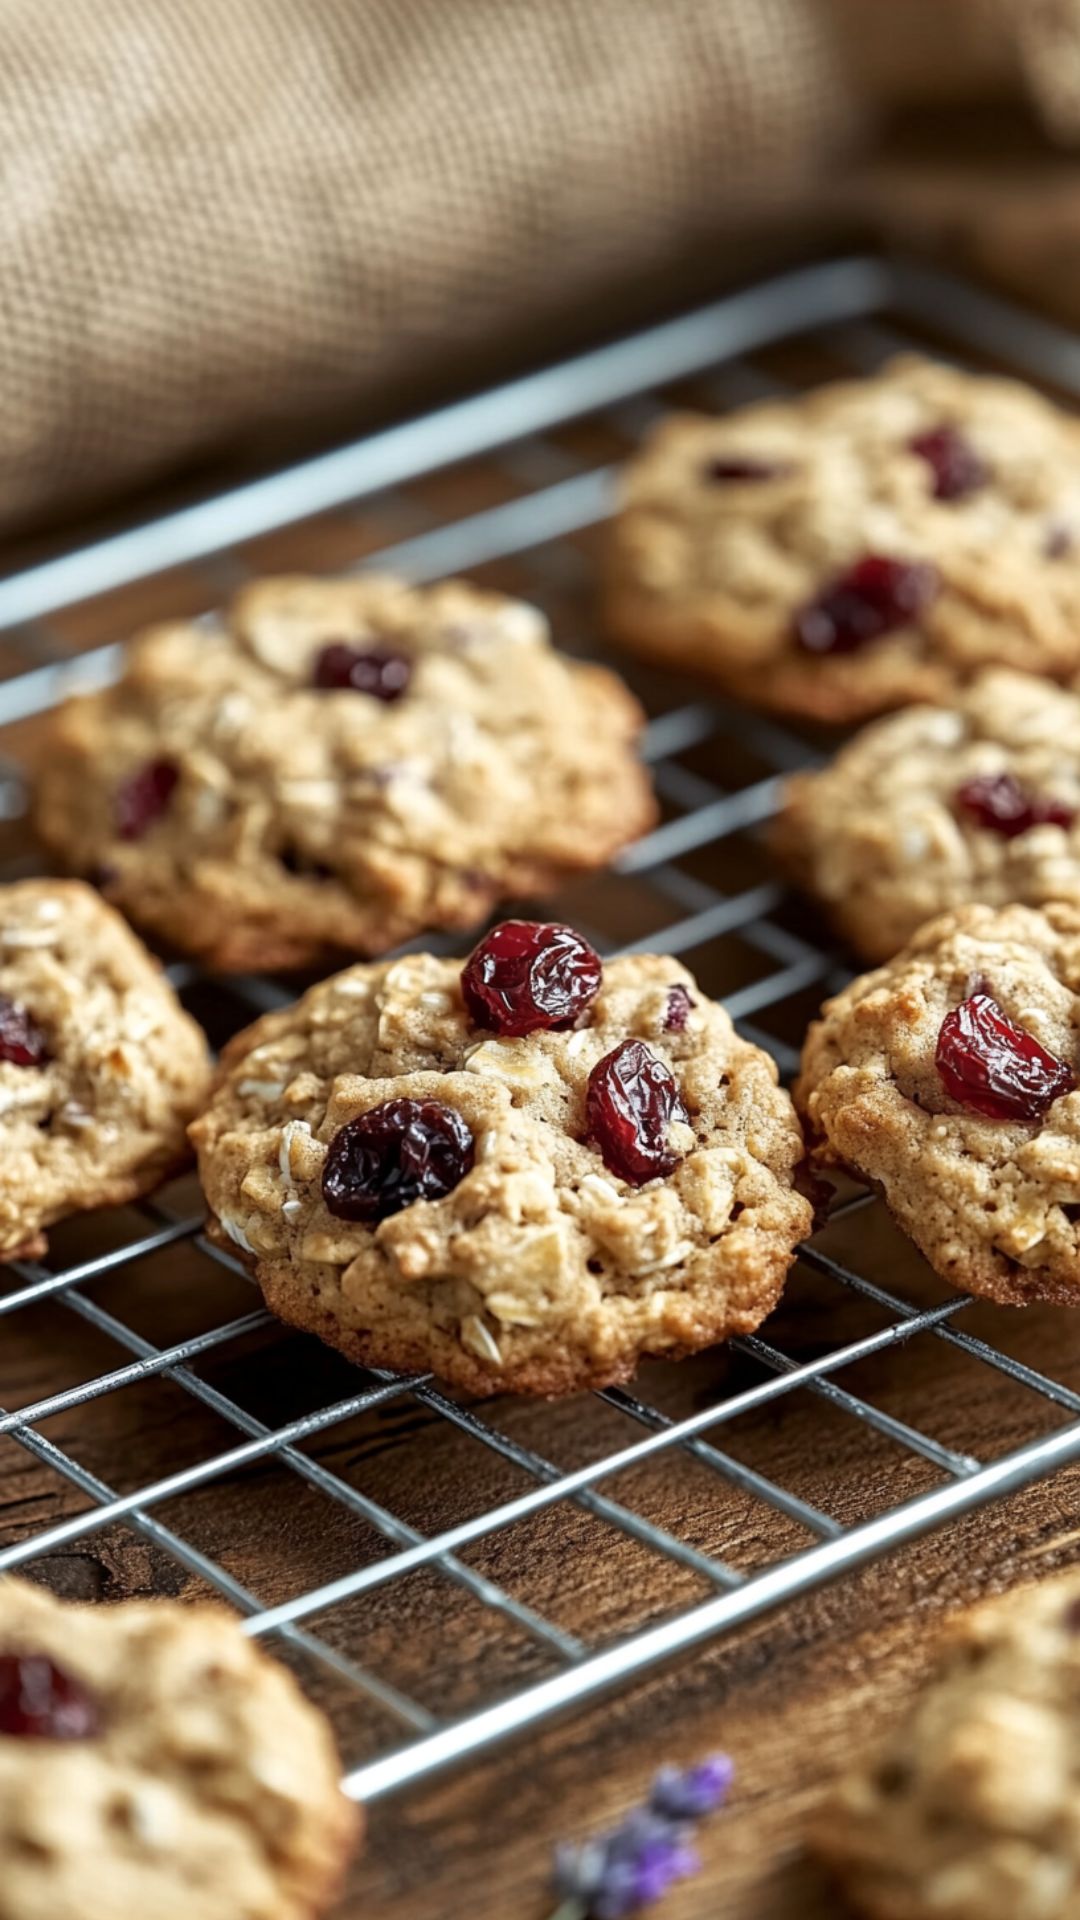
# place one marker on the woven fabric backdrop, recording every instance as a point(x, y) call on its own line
point(222, 214)
point(222, 219)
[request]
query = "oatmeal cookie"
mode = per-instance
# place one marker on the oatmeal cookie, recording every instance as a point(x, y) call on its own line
point(970, 1809)
point(339, 765)
point(858, 548)
point(100, 1067)
point(948, 1078)
point(154, 1762)
point(524, 1176)
point(937, 806)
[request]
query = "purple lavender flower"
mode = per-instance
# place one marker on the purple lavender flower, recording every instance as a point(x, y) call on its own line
point(626, 1869)
point(618, 1873)
point(691, 1794)
point(641, 1871)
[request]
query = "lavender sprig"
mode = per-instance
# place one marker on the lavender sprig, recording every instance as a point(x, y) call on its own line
point(618, 1873)
point(691, 1793)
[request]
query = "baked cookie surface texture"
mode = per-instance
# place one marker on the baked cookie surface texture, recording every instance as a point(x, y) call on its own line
point(155, 1763)
point(970, 1809)
point(100, 1067)
point(338, 765)
point(934, 807)
point(524, 1174)
point(948, 1079)
point(861, 547)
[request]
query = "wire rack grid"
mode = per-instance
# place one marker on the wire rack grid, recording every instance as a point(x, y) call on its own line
point(694, 887)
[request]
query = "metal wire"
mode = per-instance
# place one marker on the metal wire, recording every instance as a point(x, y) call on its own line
point(852, 312)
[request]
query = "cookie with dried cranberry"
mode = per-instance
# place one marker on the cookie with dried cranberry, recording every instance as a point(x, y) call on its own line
point(338, 765)
point(969, 1809)
point(949, 1078)
point(523, 1174)
point(933, 807)
point(858, 548)
point(154, 1761)
point(100, 1067)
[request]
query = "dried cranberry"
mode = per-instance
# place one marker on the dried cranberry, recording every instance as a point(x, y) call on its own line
point(993, 1067)
point(21, 1041)
point(39, 1701)
point(743, 467)
point(679, 1004)
point(872, 598)
point(1058, 542)
point(144, 797)
point(528, 975)
point(956, 467)
point(379, 671)
point(631, 1102)
point(401, 1151)
point(998, 801)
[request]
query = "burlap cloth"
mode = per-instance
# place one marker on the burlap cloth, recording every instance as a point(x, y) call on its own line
point(232, 224)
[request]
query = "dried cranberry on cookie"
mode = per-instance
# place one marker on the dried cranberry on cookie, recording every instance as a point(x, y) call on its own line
point(949, 1078)
point(936, 807)
point(524, 1173)
point(155, 1762)
point(100, 1067)
point(336, 766)
point(860, 547)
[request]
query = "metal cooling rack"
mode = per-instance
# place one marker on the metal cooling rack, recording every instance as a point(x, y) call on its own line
point(716, 771)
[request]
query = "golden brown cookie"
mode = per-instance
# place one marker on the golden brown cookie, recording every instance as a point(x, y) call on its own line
point(155, 1763)
point(970, 1808)
point(937, 806)
point(948, 1078)
point(516, 1200)
point(100, 1067)
point(861, 547)
point(339, 765)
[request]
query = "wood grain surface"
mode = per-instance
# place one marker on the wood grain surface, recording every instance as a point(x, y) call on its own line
point(791, 1697)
